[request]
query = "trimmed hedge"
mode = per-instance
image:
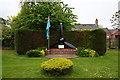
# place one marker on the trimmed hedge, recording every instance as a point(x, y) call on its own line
point(29, 39)
point(35, 53)
point(57, 66)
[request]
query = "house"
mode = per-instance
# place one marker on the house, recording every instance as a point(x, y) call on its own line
point(86, 26)
point(112, 36)
point(108, 33)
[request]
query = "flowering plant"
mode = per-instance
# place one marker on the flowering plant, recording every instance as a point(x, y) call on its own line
point(42, 52)
point(90, 52)
point(57, 66)
point(35, 53)
point(87, 52)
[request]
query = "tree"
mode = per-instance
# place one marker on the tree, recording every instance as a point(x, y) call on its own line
point(2, 21)
point(7, 35)
point(34, 16)
point(115, 20)
point(77, 24)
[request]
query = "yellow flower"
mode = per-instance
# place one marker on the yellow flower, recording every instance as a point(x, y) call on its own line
point(46, 49)
point(43, 53)
point(86, 50)
point(76, 48)
point(92, 54)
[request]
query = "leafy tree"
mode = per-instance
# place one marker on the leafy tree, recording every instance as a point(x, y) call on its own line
point(34, 16)
point(7, 35)
point(115, 20)
point(77, 24)
point(2, 21)
point(6, 32)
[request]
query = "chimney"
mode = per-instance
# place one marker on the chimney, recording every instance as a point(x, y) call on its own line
point(96, 21)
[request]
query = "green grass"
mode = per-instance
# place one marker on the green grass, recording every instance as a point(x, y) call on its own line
point(15, 66)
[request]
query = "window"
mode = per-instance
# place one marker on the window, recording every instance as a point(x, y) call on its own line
point(107, 37)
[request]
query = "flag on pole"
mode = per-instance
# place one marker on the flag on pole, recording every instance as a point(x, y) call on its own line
point(47, 28)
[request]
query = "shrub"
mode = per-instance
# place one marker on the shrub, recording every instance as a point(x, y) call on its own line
point(86, 52)
point(42, 48)
point(57, 66)
point(35, 53)
point(30, 39)
point(26, 40)
point(7, 36)
point(79, 49)
point(99, 42)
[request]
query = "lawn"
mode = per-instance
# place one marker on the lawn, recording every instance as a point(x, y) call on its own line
point(15, 66)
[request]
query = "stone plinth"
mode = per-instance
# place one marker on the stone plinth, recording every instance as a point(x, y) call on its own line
point(61, 51)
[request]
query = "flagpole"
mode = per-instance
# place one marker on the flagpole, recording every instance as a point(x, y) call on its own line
point(47, 28)
point(49, 38)
point(49, 42)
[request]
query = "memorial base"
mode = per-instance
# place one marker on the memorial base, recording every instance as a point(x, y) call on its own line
point(61, 51)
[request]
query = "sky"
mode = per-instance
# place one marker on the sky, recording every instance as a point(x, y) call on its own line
point(86, 10)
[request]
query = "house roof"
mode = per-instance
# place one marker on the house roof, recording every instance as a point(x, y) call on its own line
point(113, 31)
point(106, 30)
point(85, 26)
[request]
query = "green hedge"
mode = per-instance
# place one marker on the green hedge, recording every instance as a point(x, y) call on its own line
point(30, 39)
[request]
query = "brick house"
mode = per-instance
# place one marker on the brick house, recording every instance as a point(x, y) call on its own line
point(114, 35)
point(108, 33)
point(111, 33)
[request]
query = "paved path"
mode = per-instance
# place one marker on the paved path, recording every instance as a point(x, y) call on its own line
point(69, 56)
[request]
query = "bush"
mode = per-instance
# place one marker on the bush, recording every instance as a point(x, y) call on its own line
point(42, 48)
point(57, 66)
point(35, 53)
point(99, 42)
point(7, 36)
point(86, 52)
point(26, 40)
point(30, 39)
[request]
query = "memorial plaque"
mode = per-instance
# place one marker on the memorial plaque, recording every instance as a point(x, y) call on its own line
point(61, 46)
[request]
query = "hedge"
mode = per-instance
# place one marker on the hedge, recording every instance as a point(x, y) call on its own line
point(8, 42)
point(31, 39)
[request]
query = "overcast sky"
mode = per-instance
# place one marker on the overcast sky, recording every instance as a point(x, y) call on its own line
point(87, 10)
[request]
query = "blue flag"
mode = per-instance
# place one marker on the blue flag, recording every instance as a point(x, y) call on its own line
point(47, 28)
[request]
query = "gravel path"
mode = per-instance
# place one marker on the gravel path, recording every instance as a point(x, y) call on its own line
point(70, 56)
